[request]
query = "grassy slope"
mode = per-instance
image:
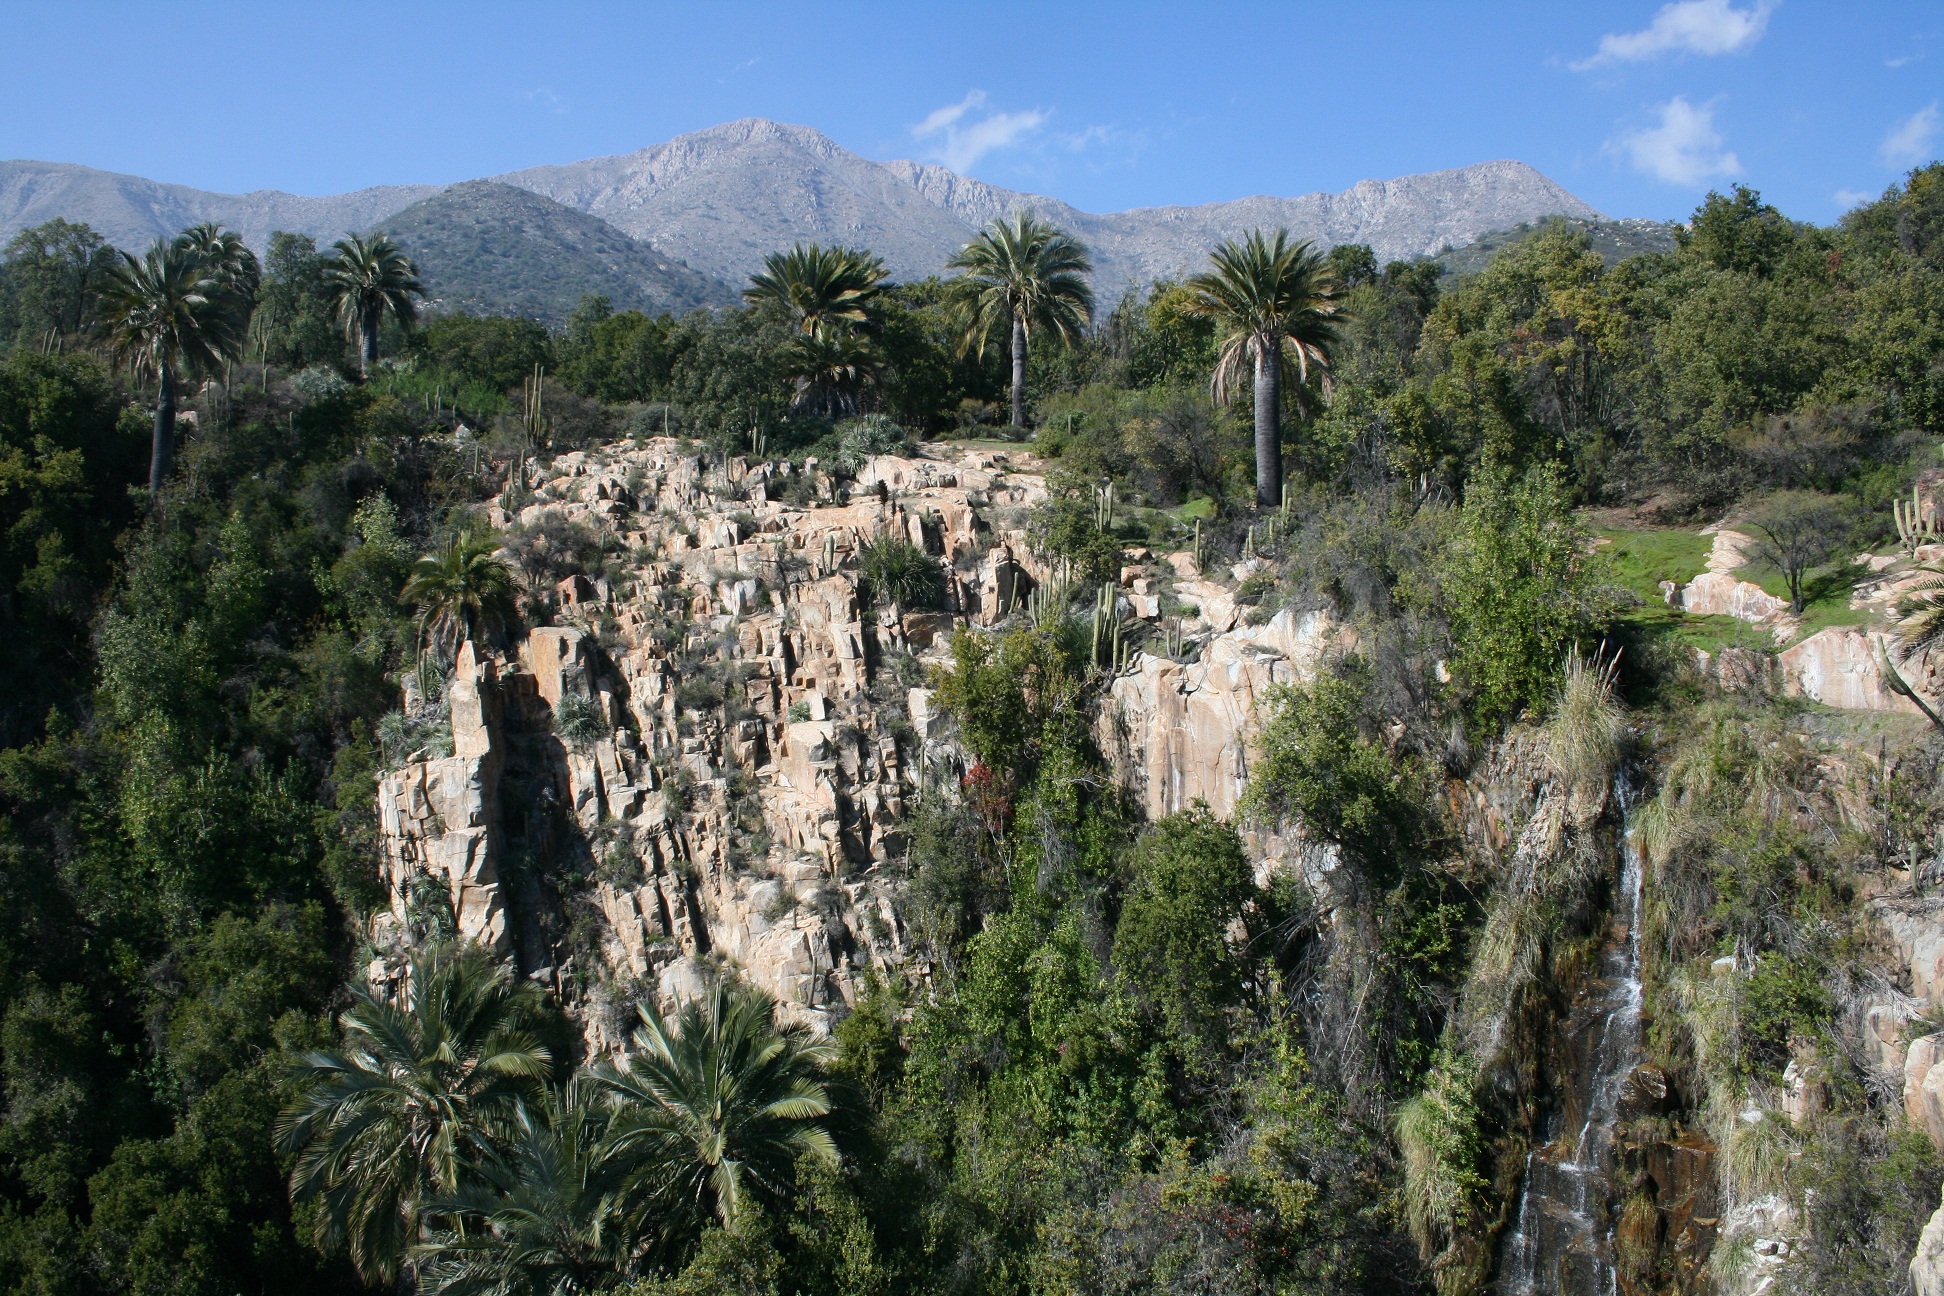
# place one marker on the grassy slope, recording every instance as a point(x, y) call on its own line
point(1639, 559)
point(1828, 588)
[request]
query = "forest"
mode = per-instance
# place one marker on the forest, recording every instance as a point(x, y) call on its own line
point(243, 509)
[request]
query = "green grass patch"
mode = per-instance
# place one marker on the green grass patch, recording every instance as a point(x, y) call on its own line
point(1826, 592)
point(1199, 507)
point(1708, 633)
point(1642, 559)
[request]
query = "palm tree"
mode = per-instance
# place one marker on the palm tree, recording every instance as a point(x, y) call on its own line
point(718, 1105)
point(228, 257)
point(822, 288)
point(1022, 274)
point(171, 314)
point(1277, 305)
point(408, 1108)
point(1920, 613)
point(547, 1217)
point(463, 591)
point(366, 278)
point(830, 372)
point(1919, 628)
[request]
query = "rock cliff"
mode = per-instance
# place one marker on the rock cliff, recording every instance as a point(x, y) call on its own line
point(706, 760)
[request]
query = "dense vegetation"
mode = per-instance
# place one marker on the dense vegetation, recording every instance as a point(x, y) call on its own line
point(1137, 1068)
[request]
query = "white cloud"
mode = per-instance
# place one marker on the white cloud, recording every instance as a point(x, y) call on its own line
point(1911, 140)
point(1688, 27)
point(964, 132)
point(940, 118)
point(1848, 198)
point(545, 96)
point(1682, 148)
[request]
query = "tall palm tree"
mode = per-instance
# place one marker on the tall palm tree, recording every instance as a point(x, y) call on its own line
point(546, 1217)
point(1278, 307)
point(368, 276)
point(463, 591)
point(171, 314)
point(822, 288)
point(408, 1107)
point(1022, 274)
point(718, 1105)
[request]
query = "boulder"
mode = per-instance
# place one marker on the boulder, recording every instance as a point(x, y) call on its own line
point(1927, 1266)
point(1179, 732)
point(1839, 667)
point(1721, 594)
point(1924, 1087)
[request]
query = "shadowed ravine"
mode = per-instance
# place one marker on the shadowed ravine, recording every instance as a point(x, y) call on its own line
point(1562, 1241)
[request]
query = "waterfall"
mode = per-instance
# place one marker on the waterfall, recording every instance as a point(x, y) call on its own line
point(1562, 1240)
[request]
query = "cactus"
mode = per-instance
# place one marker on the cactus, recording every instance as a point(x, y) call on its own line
point(1104, 507)
point(1111, 649)
point(1916, 522)
point(1198, 545)
point(758, 442)
point(1047, 603)
point(533, 415)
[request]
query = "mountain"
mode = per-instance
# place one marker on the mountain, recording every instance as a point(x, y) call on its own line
point(493, 249)
point(719, 199)
point(131, 212)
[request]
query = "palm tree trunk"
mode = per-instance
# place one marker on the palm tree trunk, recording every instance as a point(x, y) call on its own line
point(1268, 426)
point(368, 351)
point(1019, 373)
point(162, 447)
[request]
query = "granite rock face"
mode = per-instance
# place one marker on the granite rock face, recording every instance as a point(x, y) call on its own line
point(704, 762)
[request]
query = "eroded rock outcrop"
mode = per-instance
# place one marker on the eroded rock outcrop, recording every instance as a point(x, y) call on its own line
point(707, 759)
point(1178, 732)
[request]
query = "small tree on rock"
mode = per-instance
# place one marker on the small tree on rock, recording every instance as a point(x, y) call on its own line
point(1796, 532)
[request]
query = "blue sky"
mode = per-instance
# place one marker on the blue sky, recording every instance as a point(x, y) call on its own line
point(1637, 107)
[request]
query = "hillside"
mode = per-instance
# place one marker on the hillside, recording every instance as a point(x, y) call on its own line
point(719, 199)
point(1615, 241)
point(492, 249)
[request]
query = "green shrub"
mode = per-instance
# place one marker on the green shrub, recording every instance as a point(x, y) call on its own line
point(579, 721)
point(894, 570)
point(874, 434)
point(1065, 530)
point(1517, 588)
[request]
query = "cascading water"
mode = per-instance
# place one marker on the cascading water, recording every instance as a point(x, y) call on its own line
point(1562, 1244)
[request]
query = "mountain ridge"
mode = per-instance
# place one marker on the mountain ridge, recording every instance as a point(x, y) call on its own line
point(719, 199)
